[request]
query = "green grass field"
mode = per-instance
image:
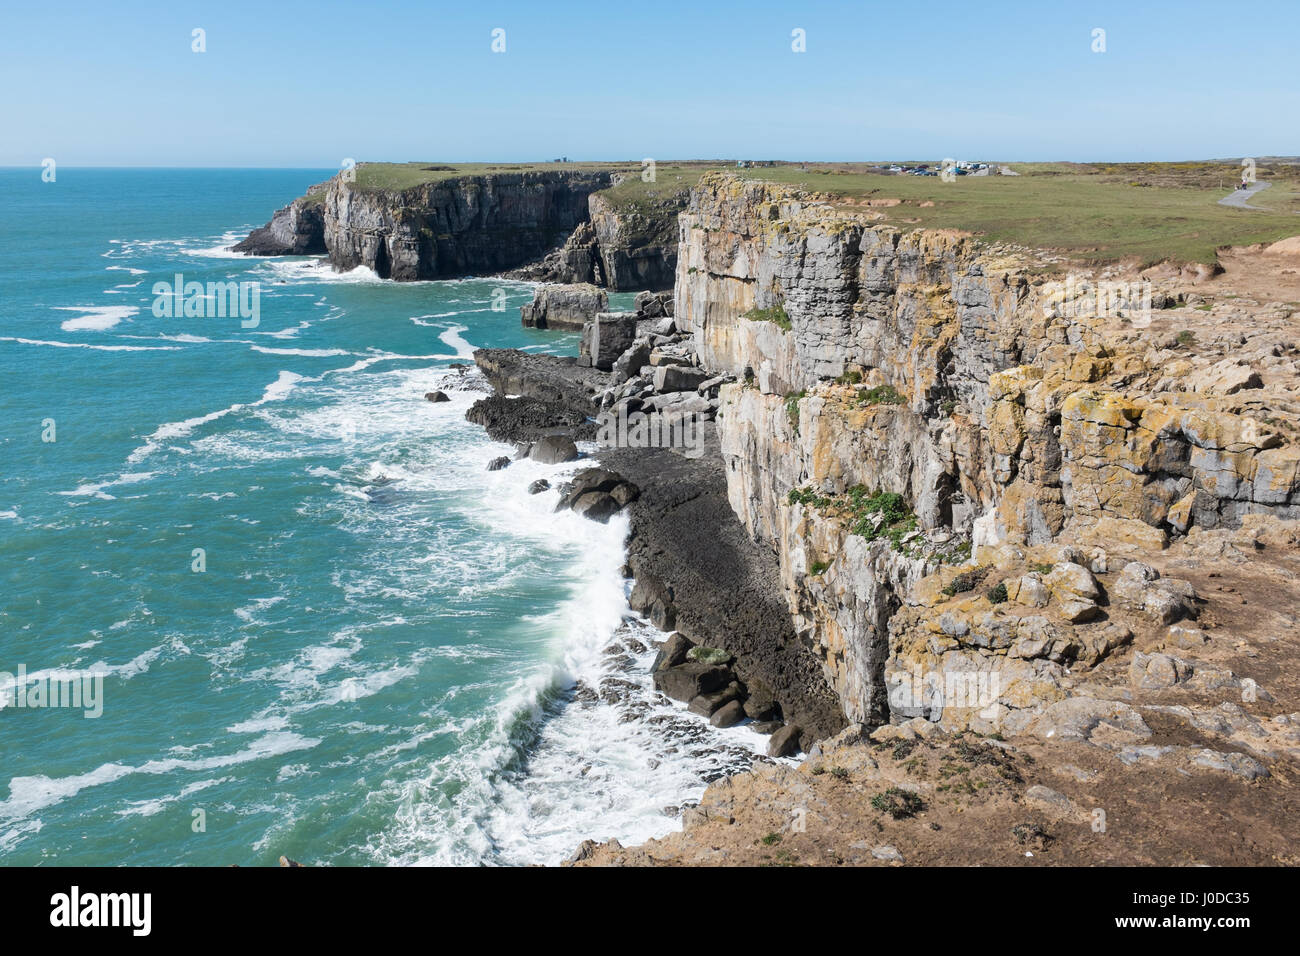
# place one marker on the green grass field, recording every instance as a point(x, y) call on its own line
point(1149, 212)
point(1092, 213)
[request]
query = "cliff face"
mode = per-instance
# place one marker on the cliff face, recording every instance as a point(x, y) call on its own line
point(620, 246)
point(637, 250)
point(1004, 416)
point(296, 230)
point(463, 226)
point(537, 225)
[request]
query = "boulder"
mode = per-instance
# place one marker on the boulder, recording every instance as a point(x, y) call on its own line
point(553, 450)
point(634, 358)
point(760, 705)
point(653, 305)
point(496, 464)
point(679, 378)
point(597, 505)
point(605, 338)
point(437, 396)
point(1139, 586)
point(1158, 671)
point(1076, 589)
point(728, 715)
point(538, 486)
point(1086, 718)
point(785, 742)
point(564, 306)
point(685, 682)
point(672, 652)
point(706, 704)
point(1045, 798)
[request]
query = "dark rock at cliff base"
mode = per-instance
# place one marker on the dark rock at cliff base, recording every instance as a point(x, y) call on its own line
point(696, 566)
point(496, 464)
point(785, 742)
point(591, 480)
point(598, 494)
point(437, 396)
point(545, 378)
point(706, 704)
point(553, 450)
point(672, 652)
point(765, 726)
point(761, 705)
point(685, 682)
point(728, 715)
point(296, 230)
point(597, 506)
point(526, 419)
point(538, 486)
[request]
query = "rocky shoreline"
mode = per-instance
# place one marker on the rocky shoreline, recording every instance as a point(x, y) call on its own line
point(698, 576)
point(976, 540)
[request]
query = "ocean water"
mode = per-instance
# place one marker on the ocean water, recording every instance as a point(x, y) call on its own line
point(387, 655)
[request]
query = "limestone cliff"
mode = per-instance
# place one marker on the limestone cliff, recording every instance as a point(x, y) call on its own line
point(296, 230)
point(540, 225)
point(906, 397)
point(471, 225)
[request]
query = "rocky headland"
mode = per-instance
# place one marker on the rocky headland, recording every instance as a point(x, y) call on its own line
point(1011, 559)
point(535, 224)
point(1013, 532)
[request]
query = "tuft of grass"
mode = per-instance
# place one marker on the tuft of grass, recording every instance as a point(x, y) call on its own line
point(998, 593)
point(792, 408)
point(860, 507)
point(818, 568)
point(899, 804)
point(776, 315)
point(1186, 338)
point(966, 581)
point(771, 839)
point(1041, 568)
point(881, 395)
point(851, 377)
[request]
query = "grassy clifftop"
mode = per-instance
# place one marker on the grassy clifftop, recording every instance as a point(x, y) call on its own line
point(1093, 213)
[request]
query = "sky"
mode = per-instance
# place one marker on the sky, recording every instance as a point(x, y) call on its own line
point(307, 85)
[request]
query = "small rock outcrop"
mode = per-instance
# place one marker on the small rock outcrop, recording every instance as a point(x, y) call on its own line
point(563, 307)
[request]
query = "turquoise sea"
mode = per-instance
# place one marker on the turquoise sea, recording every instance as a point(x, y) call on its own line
point(325, 629)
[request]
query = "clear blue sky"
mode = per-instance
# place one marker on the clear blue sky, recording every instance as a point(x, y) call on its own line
point(286, 83)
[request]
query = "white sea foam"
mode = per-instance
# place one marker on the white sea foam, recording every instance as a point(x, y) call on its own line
point(98, 489)
point(309, 353)
point(171, 431)
point(87, 345)
point(30, 794)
